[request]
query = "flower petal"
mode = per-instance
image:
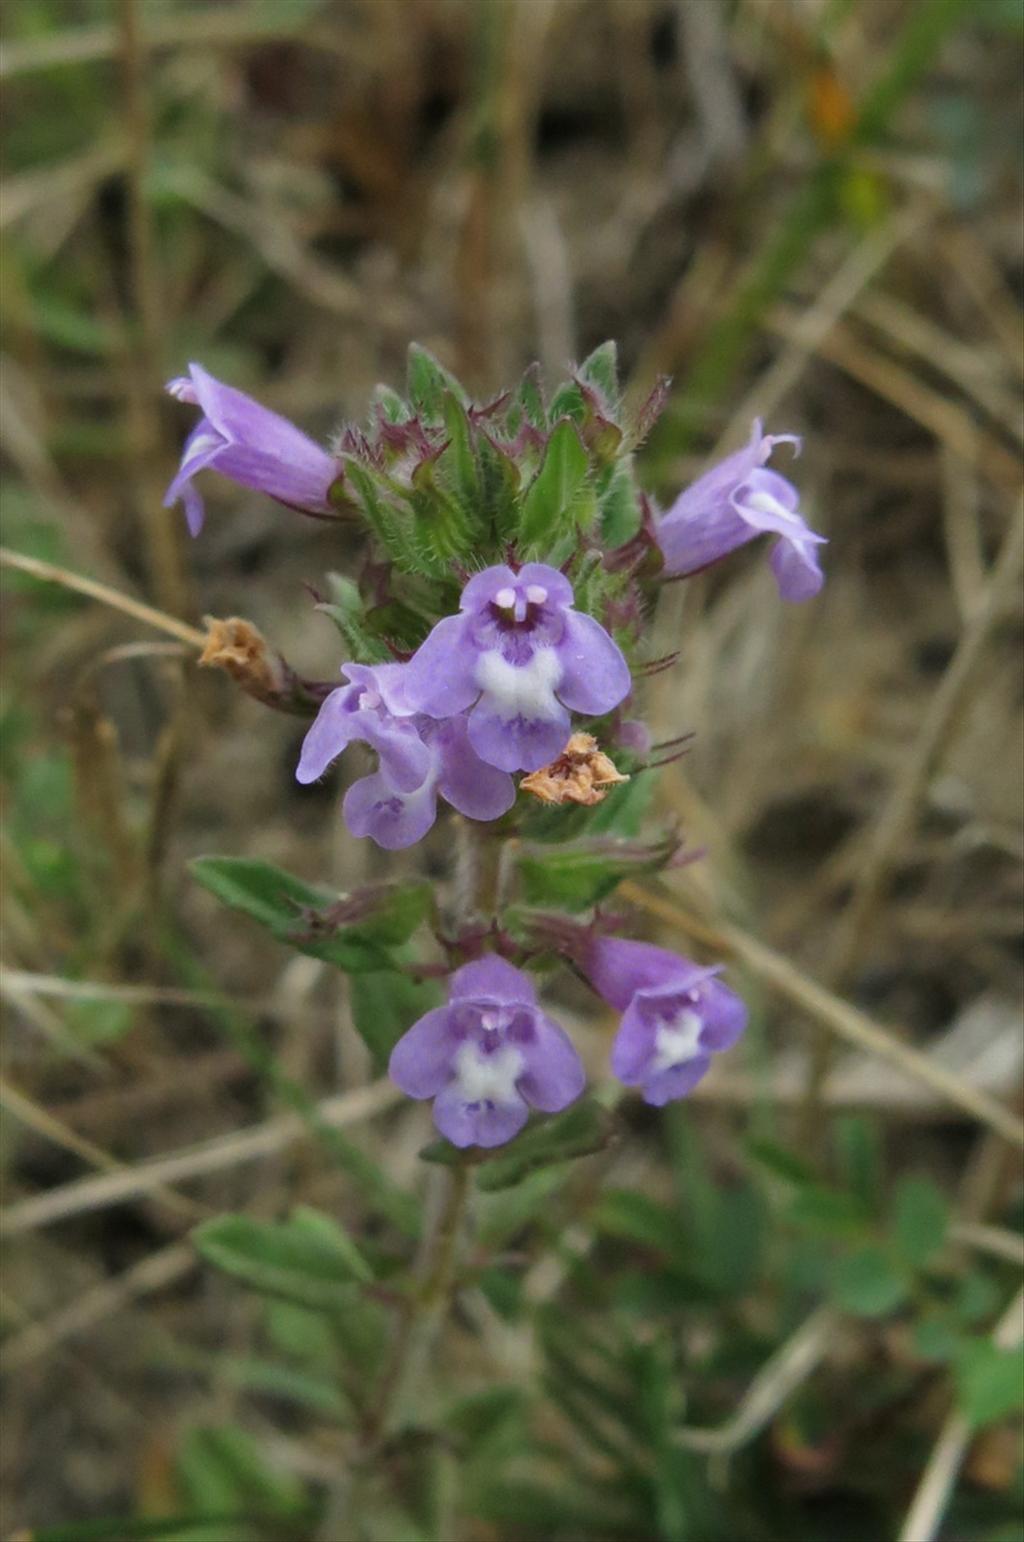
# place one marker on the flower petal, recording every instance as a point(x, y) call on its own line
point(517, 743)
point(421, 1061)
point(476, 789)
point(438, 679)
point(260, 449)
point(373, 806)
point(554, 1075)
point(676, 1081)
point(335, 727)
point(725, 1016)
point(595, 676)
point(633, 1045)
point(797, 570)
point(492, 979)
point(486, 1123)
point(617, 969)
point(202, 448)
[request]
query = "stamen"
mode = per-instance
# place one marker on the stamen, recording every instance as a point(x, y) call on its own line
point(505, 599)
point(368, 700)
point(536, 594)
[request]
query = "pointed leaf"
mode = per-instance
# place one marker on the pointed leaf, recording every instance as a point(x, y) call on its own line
point(920, 1219)
point(554, 502)
point(868, 1284)
point(307, 1260)
point(427, 381)
point(601, 369)
point(580, 875)
point(354, 934)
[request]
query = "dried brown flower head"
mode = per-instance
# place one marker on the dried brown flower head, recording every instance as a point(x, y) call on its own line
point(237, 646)
point(581, 774)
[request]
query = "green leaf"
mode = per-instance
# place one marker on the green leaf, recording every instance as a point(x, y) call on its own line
point(354, 934)
point(601, 369)
point(581, 1130)
point(386, 1003)
point(308, 1259)
point(919, 1219)
point(579, 875)
point(867, 1284)
point(458, 460)
point(530, 397)
point(618, 503)
point(224, 1468)
point(637, 1218)
point(390, 405)
point(780, 1162)
point(427, 383)
point(935, 1338)
point(989, 1381)
point(859, 1157)
point(250, 1373)
point(553, 506)
point(568, 402)
point(976, 1299)
point(383, 508)
point(298, 1332)
point(829, 1211)
point(346, 609)
point(624, 809)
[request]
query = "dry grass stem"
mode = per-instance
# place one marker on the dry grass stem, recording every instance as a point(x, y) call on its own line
point(137, 609)
point(790, 1366)
point(222, 1151)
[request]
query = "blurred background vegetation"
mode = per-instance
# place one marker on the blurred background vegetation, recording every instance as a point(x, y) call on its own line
point(787, 1309)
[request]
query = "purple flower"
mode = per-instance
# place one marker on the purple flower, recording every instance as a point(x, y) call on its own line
point(251, 445)
point(419, 758)
point(733, 503)
point(519, 659)
point(676, 1015)
point(487, 1057)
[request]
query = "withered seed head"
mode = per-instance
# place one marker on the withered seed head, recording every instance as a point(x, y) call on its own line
point(581, 774)
point(235, 645)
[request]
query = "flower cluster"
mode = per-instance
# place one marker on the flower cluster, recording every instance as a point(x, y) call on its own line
point(487, 693)
point(491, 1054)
point(419, 757)
point(512, 568)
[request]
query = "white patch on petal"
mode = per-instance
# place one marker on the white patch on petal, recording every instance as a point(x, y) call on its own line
point(490, 1077)
point(505, 599)
point(536, 594)
point(763, 503)
point(677, 1041)
point(521, 690)
point(201, 445)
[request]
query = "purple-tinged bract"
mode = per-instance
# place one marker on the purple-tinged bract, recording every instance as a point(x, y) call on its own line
point(518, 658)
point(734, 502)
point(487, 1057)
point(249, 444)
point(419, 758)
point(676, 1015)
